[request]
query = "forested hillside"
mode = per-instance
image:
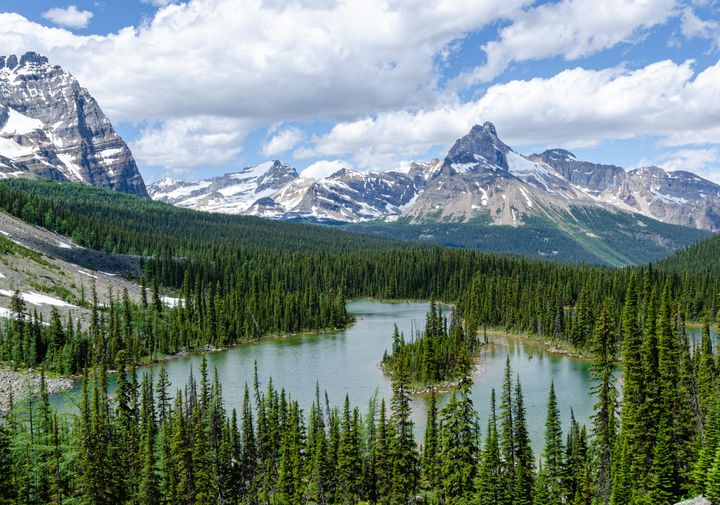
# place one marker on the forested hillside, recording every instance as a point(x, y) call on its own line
point(656, 445)
point(236, 288)
point(701, 258)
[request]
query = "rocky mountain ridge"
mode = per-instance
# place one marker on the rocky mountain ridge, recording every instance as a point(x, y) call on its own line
point(52, 128)
point(480, 176)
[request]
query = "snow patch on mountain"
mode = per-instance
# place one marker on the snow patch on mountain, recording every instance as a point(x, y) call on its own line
point(52, 128)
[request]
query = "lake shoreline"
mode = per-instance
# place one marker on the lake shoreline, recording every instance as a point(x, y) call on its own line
point(16, 383)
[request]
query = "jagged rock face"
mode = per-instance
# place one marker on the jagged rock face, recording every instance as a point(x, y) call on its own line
point(678, 197)
point(275, 190)
point(232, 193)
point(591, 177)
point(480, 149)
point(348, 196)
point(480, 177)
point(50, 127)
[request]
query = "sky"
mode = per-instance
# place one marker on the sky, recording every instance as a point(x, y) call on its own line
point(203, 87)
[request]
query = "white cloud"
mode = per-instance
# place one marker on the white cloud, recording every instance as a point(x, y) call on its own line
point(282, 142)
point(183, 144)
point(157, 3)
point(324, 168)
point(262, 61)
point(568, 28)
point(69, 16)
point(272, 61)
point(576, 107)
point(703, 161)
point(694, 27)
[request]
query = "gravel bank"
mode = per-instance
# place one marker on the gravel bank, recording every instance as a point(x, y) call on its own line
point(18, 384)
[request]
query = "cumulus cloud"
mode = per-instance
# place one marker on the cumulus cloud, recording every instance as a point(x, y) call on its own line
point(577, 107)
point(287, 60)
point(69, 16)
point(262, 61)
point(377, 81)
point(282, 142)
point(182, 144)
point(694, 27)
point(324, 168)
point(702, 161)
point(568, 28)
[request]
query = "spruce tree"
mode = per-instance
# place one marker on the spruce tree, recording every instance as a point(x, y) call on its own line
point(712, 484)
point(459, 445)
point(603, 374)
point(507, 425)
point(349, 456)
point(430, 447)
point(403, 450)
point(524, 459)
point(553, 461)
point(7, 467)
point(492, 487)
point(631, 463)
point(664, 478)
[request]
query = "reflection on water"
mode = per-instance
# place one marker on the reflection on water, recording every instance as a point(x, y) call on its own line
point(346, 362)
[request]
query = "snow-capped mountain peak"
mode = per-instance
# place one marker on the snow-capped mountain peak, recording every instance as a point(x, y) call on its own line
point(480, 176)
point(50, 127)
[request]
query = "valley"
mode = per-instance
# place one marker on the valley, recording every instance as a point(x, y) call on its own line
point(483, 326)
point(346, 362)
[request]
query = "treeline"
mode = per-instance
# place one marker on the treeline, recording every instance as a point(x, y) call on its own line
point(202, 318)
point(659, 444)
point(442, 353)
point(263, 264)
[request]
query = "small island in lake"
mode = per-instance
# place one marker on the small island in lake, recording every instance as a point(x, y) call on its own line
point(436, 359)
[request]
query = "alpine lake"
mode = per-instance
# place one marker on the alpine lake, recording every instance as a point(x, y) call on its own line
point(347, 362)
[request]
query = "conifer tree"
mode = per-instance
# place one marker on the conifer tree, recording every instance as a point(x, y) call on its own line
point(149, 489)
point(403, 451)
point(603, 373)
point(524, 459)
point(507, 425)
point(553, 461)
point(632, 458)
point(712, 485)
point(492, 487)
point(349, 456)
point(382, 448)
point(430, 447)
point(664, 483)
point(7, 470)
point(459, 445)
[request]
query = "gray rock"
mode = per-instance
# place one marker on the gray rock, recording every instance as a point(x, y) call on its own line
point(700, 500)
point(678, 197)
point(52, 128)
point(480, 176)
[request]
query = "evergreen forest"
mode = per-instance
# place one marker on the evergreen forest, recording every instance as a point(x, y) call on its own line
point(654, 437)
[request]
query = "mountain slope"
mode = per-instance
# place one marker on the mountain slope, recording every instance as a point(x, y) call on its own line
point(480, 175)
point(700, 258)
point(115, 222)
point(274, 189)
point(587, 235)
point(677, 197)
point(51, 128)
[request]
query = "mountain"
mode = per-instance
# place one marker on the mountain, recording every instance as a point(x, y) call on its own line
point(677, 197)
point(51, 128)
point(480, 176)
point(231, 193)
point(484, 195)
point(274, 189)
